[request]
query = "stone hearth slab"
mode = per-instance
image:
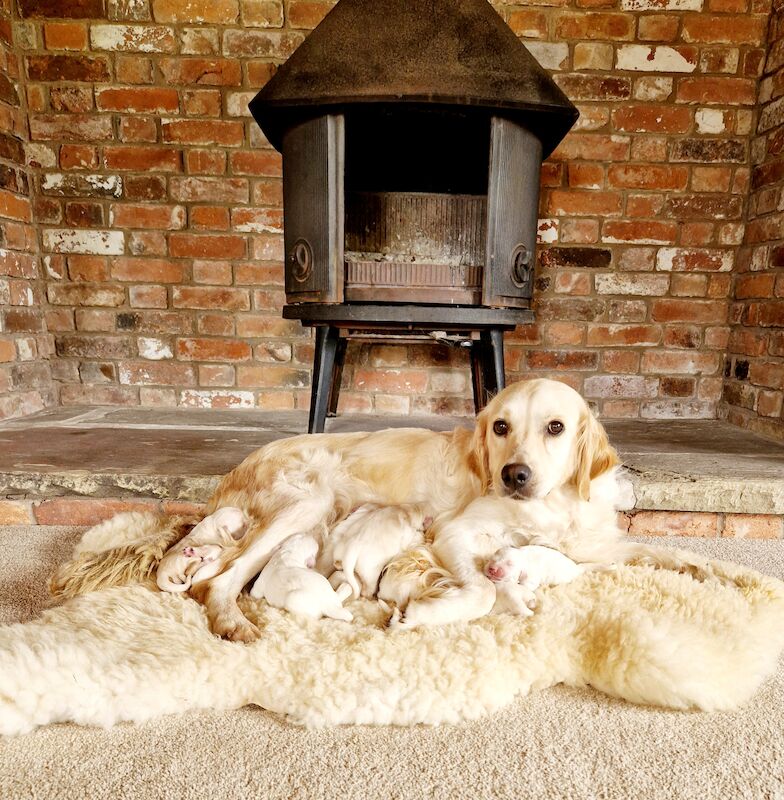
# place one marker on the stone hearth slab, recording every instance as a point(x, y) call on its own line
point(179, 455)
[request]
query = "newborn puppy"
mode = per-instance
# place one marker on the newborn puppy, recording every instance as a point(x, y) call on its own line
point(195, 557)
point(519, 571)
point(289, 581)
point(368, 539)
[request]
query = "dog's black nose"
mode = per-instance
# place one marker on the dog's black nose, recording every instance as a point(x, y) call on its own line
point(515, 476)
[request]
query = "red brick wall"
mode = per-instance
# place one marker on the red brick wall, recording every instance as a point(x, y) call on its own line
point(158, 205)
point(753, 390)
point(25, 375)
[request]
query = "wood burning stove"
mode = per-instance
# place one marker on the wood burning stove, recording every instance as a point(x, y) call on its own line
point(412, 134)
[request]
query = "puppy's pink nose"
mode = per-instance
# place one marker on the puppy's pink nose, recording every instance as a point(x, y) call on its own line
point(494, 572)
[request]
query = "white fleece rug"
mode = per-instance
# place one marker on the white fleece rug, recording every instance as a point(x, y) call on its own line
point(645, 635)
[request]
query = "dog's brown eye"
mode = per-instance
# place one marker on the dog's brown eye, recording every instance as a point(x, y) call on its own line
point(500, 428)
point(555, 427)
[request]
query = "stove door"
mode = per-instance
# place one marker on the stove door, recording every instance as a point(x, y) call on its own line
point(313, 158)
point(512, 214)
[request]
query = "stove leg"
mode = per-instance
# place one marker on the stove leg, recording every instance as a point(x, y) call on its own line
point(323, 365)
point(477, 375)
point(497, 355)
point(337, 377)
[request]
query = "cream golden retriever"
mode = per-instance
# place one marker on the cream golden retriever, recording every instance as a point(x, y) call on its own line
point(538, 468)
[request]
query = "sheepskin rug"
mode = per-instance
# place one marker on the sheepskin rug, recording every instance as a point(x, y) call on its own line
point(649, 636)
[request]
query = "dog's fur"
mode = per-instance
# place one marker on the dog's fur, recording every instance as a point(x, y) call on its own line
point(308, 481)
point(289, 581)
point(518, 572)
point(363, 544)
point(195, 558)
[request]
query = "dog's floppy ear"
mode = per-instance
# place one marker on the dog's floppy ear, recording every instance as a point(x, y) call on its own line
point(595, 455)
point(480, 457)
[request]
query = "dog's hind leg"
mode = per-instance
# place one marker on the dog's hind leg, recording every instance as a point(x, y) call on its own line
point(219, 594)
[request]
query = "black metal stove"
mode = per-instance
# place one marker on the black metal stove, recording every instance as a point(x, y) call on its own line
point(412, 134)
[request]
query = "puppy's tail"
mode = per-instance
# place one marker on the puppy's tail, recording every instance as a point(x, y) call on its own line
point(123, 550)
point(348, 565)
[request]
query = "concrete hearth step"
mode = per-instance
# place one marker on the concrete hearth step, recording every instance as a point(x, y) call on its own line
point(79, 465)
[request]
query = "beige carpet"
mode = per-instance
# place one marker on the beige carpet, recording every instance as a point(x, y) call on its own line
point(559, 743)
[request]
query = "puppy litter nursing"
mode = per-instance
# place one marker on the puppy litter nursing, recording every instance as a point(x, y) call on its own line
point(635, 633)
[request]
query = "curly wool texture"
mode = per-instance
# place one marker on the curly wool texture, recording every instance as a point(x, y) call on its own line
point(646, 635)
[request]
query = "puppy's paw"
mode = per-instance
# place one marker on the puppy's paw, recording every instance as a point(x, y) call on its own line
point(532, 604)
point(398, 622)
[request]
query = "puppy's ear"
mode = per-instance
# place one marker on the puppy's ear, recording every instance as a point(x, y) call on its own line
point(479, 458)
point(595, 455)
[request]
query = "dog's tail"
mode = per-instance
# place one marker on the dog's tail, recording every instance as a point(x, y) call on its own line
point(123, 550)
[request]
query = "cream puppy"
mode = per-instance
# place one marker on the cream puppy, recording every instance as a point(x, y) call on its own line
point(195, 557)
point(369, 538)
point(289, 581)
point(519, 571)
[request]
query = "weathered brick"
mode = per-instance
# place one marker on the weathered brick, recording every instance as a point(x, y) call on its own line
point(634, 386)
point(156, 373)
point(213, 350)
point(584, 203)
point(126, 215)
point(206, 246)
point(753, 526)
point(201, 71)
point(79, 295)
point(645, 58)
point(78, 9)
point(147, 270)
point(688, 362)
point(649, 232)
point(65, 240)
point(700, 207)
point(71, 127)
point(648, 176)
point(222, 299)
point(137, 99)
point(216, 398)
point(269, 13)
point(594, 25)
point(594, 87)
point(197, 131)
point(133, 38)
point(671, 259)
point(709, 150)
point(67, 68)
point(59, 184)
point(142, 159)
point(652, 119)
point(65, 35)
point(16, 512)
point(85, 511)
point(229, 190)
point(658, 27)
point(689, 311)
point(706, 28)
point(716, 91)
point(261, 44)
point(223, 12)
point(92, 346)
point(674, 523)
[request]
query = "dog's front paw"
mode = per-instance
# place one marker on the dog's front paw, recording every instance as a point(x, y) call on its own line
point(532, 603)
point(236, 630)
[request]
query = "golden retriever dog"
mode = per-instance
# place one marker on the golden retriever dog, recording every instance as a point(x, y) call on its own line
point(538, 468)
